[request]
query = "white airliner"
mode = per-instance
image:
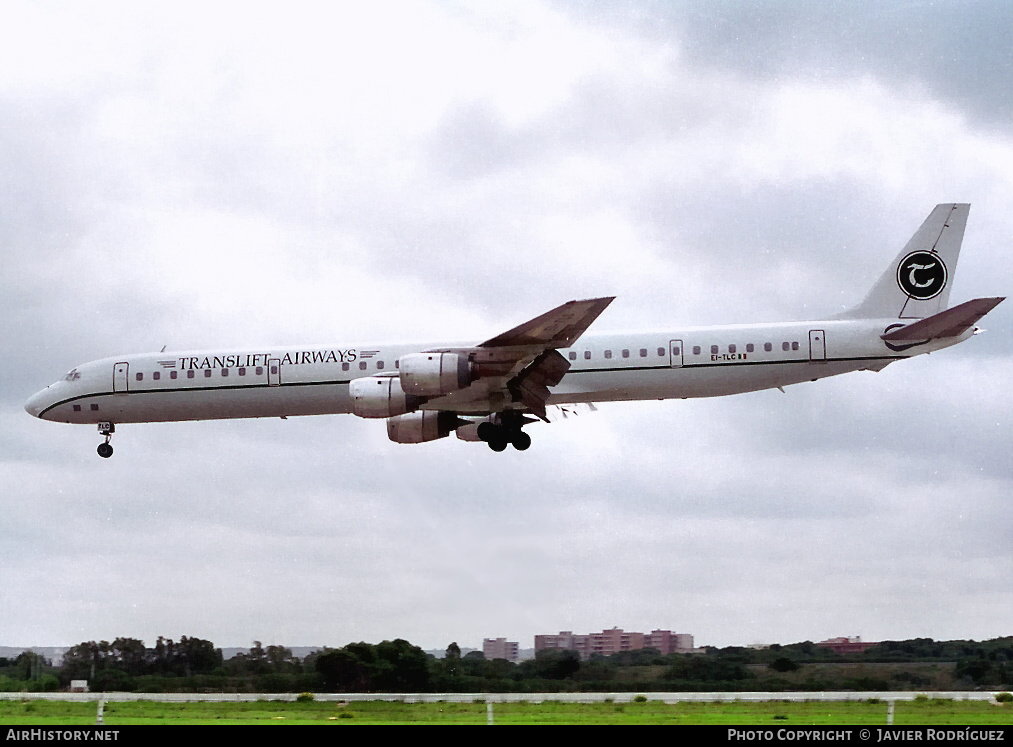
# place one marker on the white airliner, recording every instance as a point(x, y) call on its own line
point(490, 390)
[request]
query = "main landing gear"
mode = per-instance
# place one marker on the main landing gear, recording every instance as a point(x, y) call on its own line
point(104, 449)
point(506, 431)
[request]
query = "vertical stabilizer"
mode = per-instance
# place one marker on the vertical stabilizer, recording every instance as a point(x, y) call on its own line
point(917, 283)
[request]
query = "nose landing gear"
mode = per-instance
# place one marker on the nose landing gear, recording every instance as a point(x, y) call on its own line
point(104, 449)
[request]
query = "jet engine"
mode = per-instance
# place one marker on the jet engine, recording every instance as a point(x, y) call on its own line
point(418, 427)
point(469, 431)
point(380, 397)
point(433, 374)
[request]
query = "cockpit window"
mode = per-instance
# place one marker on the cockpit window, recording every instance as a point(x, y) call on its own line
point(72, 376)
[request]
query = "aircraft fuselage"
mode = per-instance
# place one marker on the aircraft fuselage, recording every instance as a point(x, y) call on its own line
point(604, 367)
point(489, 391)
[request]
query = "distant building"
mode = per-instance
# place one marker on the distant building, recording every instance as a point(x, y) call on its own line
point(846, 645)
point(616, 640)
point(668, 642)
point(500, 648)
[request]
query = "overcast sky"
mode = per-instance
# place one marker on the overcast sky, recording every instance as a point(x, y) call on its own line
point(227, 175)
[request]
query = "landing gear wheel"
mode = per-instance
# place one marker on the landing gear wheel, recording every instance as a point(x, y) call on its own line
point(106, 429)
point(500, 435)
point(521, 440)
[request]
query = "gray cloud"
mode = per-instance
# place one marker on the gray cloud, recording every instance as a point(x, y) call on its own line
point(954, 50)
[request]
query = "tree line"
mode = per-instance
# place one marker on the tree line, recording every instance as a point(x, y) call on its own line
point(193, 664)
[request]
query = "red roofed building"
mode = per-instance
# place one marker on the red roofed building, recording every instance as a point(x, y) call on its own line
point(615, 640)
point(848, 645)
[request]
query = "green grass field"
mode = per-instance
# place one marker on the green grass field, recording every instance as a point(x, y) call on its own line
point(783, 713)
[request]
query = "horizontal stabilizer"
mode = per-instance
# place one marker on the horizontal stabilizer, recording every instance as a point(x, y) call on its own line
point(949, 323)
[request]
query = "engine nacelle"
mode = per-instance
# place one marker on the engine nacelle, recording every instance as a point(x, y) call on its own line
point(469, 431)
point(380, 397)
point(433, 374)
point(418, 427)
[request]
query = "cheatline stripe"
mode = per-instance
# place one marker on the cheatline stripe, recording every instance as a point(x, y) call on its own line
point(736, 363)
point(183, 390)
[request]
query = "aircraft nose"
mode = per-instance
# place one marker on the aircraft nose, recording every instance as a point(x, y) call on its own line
point(36, 403)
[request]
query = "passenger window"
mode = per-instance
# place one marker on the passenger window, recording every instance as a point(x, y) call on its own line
point(94, 407)
point(274, 369)
point(784, 346)
point(643, 352)
point(77, 408)
point(749, 347)
point(573, 356)
point(794, 346)
point(767, 346)
point(626, 354)
point(587, 355)
point(696, 350)
point(362, 365)
point(140, 377)
point(379, 365)
point(225, 372)
point(172, 374)
point(157, 375)
point(675, 351)
point(207, 373)
point(731, 348)
point(344, 366)
point(661, 352)
point(608, 354)
point(242, 371)
point(260, 370)
point(714, 349)
point(189, 374)
point(397, 363)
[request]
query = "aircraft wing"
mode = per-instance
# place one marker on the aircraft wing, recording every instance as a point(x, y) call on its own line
point(558, 328)
point(949, 323)
point(521, 364)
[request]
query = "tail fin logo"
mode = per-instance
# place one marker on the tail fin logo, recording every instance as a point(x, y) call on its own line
point(922, 275)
